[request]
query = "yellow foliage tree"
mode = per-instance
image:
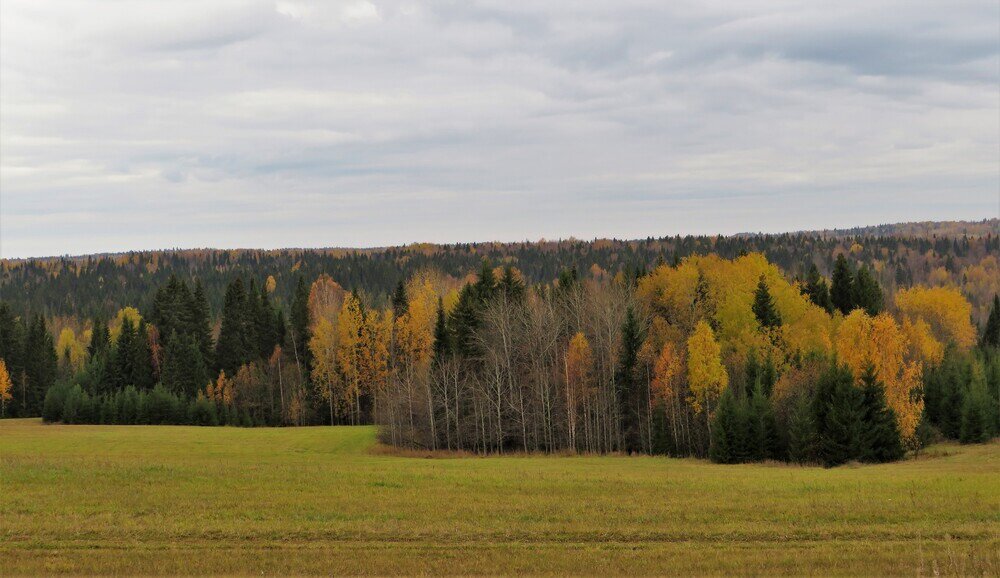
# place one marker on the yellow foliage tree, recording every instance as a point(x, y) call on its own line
point(326, 298)
point(579, 368)
point(880, 342)
point(325, 375)
point(349, 347)
point(71, 352)
point(6, 387)
point(944, 310)
point(707, 378)
point(666, 369)
point(131, 313)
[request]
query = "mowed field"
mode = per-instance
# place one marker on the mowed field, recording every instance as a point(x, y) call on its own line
point(327, 500)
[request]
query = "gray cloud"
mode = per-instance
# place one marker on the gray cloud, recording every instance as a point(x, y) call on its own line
point(145, 124)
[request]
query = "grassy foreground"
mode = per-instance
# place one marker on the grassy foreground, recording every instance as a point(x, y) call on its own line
point(183, 500)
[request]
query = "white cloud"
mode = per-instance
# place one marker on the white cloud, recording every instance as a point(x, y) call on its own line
point(144, 124)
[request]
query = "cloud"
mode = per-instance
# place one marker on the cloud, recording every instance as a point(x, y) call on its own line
point(364, 122)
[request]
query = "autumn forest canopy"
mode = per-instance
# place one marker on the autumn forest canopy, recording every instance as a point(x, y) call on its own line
point(828, 347)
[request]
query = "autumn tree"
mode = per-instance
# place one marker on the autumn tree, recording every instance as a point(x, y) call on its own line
point(706, 375)
point(6, 388)
point(579, 368)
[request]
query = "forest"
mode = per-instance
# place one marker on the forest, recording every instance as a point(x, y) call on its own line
point(827, 347)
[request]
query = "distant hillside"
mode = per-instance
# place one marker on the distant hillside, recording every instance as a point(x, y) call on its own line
point(920, 229)
point(933, 253)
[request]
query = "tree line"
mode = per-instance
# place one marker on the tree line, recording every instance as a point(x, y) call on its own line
point(704, 356)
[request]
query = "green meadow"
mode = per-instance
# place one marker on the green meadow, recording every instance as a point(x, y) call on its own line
point(329, 500)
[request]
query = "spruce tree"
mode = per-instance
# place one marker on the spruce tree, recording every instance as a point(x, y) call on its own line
point(400, 303)
point(464, 321)
point(233, 348)
point(630, 405)
point(763, 437)
point(301, 323)
point(100, 339)
point(991, 333)
point(802, 436)
point(510, 286)
point(442, 345)
point(867, 293)
point(725, 427)
point(838, 413)
point(816, 289)
point(880, 437)
point(141, 364)
point(265, 324)
point(763, 306)
point(842, 286)
point(201, 323)
point(976, 420)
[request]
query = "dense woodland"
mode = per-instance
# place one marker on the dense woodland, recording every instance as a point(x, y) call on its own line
point(810, 347)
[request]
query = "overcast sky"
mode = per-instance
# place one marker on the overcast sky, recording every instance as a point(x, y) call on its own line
point(143, 125)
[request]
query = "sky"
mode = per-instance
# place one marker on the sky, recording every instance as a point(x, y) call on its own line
point(132, 124)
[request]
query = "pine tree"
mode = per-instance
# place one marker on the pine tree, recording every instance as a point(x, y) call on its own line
point(991, 333)
point(867, 294)
point(842, 286)
point(763, 306)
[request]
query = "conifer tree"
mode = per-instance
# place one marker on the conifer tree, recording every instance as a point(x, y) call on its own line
point(867, 294)
point(630, 405)
point(726, 427)
point(234, 346)
point(399, 300)
point(880, 438)
point(991, 333)
point(762, 426)
point(201, 326)
point(976, 420)
point(511, 286)
point(802, 435)
point(838, 413)
point(100, 339)
point(301, 323)
point(763, 306)
point(442, 341)
point(842, 286)
point(816, 289)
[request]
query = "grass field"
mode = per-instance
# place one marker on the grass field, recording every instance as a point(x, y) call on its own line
point(169, 500)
